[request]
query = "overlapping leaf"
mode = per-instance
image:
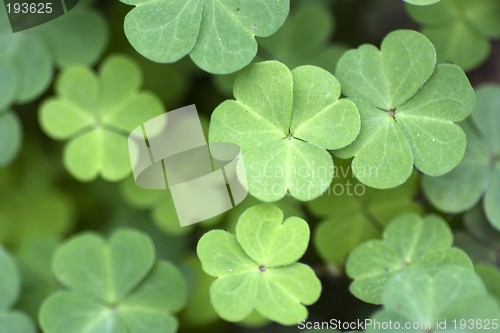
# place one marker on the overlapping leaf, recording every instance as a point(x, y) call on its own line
point(28, 57)
point(96, 115)
point(460, 29)
point(478, 175)
point(113, 286)
point(408, 108)
point(218, 36)
point(419, 299)
point(352, 213)
point(408, 241)
point(304, 39)
point(257, 269)
point(284, 121)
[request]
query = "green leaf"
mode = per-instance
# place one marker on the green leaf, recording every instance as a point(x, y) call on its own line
point(478, 174)
point(113, 287)
point(408, 241)
point(219, 37)
point(422, 2)
point(460, 29)
point(408, 107)
point(11, 134)
point(96, 114)
point(105, 272)
point(16, 322)
point(417, 296)
point(78, 37)
point(490, 276)
point(284, 122)
point(257, 268)
point(351, 213)
point(10, 286)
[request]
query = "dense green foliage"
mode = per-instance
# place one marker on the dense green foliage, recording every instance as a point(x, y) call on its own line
point(371, 149)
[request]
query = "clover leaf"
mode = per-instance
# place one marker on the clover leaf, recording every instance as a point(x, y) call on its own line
point(257, 269)
point(432, 301)
point(478, 174)
point(351, 213)
point(408, 241)
point(490, 276)
point(10, 287)
point(460, 29)
point(96, 115)
point(113, 286)
point(284, 121)
point(218, 36)
point(78, 37)
point(408, 107)
point(11, 135)
point(304, 39)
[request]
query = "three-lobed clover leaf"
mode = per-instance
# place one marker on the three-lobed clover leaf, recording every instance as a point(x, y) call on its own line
point(351, 213)
point(219, 36)
point(460, 29)
point(27, 57)
point(408, 241)
point(432, 301)
point(478, 175)
point(257, 268)
point(408, 108)
point(96, 115)
point(284, 121)
point(115, 286)
point(10, 288)
point(11, 135)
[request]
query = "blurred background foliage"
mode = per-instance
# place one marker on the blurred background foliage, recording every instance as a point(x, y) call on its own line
point(41, 204)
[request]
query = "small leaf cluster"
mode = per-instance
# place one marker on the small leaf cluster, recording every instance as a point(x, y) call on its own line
point(419, 278)
point(113, 286)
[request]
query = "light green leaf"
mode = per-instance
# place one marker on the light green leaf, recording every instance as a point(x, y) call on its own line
point(459, 29)
point(422, 2)
point(65, 311)
point(478, 174)
point(150, 304)
point(408, 241)
point(9, 280)
point(408, 107)
point(96, 114)
point(219, 37)
point(88, 265)
point(114, 287)
point(257, 269)
point(284, 122)
point(11, 134)
point(418, 297)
